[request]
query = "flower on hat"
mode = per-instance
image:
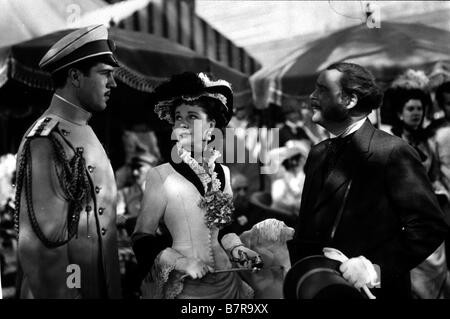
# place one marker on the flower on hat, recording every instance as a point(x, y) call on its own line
point(411, 79)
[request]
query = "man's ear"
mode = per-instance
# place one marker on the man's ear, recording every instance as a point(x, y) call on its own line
point(74, 77)
point(212, 124)
point(351, 101)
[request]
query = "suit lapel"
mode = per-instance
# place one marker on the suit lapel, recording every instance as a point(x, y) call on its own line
point(354, 155)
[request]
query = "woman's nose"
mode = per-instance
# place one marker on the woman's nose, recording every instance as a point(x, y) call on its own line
point(183, 124)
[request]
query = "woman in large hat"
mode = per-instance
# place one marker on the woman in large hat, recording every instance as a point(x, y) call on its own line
point(287, 185)
point(191, 195)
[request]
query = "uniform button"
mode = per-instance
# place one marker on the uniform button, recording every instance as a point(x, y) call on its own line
point(100, 210)
point(64, 132)
point(91, 168)
point(103, 231)
point(97, 189)
point(47, 119)
point(88, 208)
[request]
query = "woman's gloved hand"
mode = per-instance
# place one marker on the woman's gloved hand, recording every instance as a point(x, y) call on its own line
point(193, 267)
point(246, 258)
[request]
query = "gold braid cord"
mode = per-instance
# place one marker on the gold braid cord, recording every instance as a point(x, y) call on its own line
point(73, 179)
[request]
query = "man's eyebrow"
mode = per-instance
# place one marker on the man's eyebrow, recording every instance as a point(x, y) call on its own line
point(106, 70)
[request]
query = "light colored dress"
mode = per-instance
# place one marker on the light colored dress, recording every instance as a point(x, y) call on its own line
point(287, 192)
point(170, 197)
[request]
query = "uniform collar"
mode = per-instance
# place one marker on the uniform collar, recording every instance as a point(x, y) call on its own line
point(68, 111)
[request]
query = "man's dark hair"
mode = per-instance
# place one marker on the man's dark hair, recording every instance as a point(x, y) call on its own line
point(359, 81)
point(60, 77)
point(442, 89)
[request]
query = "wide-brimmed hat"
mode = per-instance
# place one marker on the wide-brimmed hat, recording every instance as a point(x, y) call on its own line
point(278, 155)
point(318, 277)
point(190, 87)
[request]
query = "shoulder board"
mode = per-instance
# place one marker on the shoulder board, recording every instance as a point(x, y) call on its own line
point(43, 127)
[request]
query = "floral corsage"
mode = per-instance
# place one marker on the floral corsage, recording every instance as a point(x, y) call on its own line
point(218, 205)
point(219, 208)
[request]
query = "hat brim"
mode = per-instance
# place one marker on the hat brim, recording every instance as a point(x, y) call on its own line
point(318, 277)
point(112, 60)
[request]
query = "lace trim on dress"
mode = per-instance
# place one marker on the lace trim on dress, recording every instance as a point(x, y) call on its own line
point(169, 283)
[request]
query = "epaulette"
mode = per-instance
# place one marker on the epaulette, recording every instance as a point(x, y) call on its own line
point(43, 127)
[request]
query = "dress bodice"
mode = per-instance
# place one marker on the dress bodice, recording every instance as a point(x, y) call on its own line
point(171, 197)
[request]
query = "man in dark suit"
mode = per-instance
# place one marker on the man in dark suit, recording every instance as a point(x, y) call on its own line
point(366, 192)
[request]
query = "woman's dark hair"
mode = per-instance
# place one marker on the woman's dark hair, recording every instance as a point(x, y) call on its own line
point(291, 162)
point(189, 84)
point(210, 106)
point(399, 98)
point(359, 81)
point(440, 91)
point(60, 77)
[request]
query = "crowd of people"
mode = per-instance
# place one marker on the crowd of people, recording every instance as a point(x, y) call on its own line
point(190, 227)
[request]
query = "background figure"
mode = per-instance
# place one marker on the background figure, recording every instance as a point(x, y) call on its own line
point(66, 193)
point(440, 132)
point(130, 197)
point(287, 186)
point(410, 108)
point(429, 279)
point(294, 128)
point(442, 98)
point(245, 214)
point(128, 208)
point(8, 242)
point(366, 192)
point(135, 145)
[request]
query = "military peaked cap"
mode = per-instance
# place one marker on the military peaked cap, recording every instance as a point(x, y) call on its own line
point(79, 45)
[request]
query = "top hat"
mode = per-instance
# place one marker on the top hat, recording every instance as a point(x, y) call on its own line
point(318, 277)
point(77, 46)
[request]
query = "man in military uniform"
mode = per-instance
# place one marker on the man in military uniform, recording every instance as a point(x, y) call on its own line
point(66, 192)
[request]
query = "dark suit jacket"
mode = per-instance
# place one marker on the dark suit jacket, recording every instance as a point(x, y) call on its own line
point(391, 215)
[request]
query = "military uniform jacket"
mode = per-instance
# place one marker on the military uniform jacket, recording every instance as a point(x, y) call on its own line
point(391, 215)
point(46, 271)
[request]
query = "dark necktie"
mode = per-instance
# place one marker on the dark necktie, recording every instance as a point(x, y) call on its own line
point(335, 148)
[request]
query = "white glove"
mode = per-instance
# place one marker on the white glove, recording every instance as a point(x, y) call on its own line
point(359, 272)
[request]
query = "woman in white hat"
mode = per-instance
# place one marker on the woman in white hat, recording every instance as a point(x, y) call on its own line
point(286, 189)
point(191, 195)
